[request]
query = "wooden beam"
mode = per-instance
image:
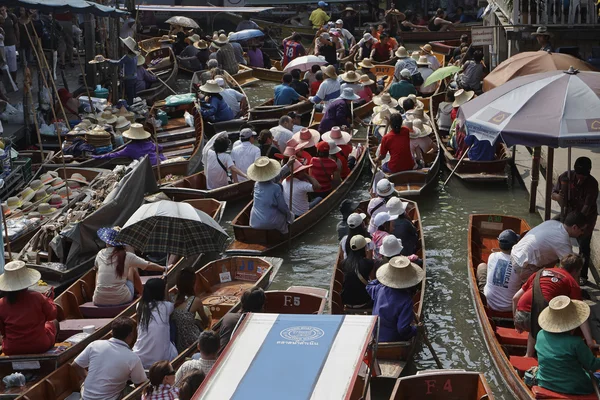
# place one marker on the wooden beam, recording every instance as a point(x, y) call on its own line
point(535, 178)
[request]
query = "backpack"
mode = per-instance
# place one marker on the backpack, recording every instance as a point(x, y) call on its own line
point(417, 79)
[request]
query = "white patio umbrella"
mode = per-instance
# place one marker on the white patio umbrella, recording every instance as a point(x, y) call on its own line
point(305, 63)
point(183, 21)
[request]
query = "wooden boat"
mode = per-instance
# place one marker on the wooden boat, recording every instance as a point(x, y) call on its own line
point(271, 75)
point(296, 300)
point(268, 110)
point(75, 310)
point(443, 384)
point(149, 44)
point(392, 357)
point(166, 70)
point(330, 348)
point(243, 78)
point(474, 171)
point(445, 47)
point(428, 36)
point(194, 187)
point(505, 345)
point(260, 241)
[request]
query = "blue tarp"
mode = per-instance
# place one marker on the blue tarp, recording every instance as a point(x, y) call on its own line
point(73, 6)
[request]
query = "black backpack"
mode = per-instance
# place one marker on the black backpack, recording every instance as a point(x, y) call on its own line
point(417, 79)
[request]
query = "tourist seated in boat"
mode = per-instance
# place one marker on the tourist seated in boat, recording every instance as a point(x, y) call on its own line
point(480, 150)
point(293, 150)
point(266, 145)
point(269, 210)
point(306, 139)
point(255, 57)
point(552, 282)
point(117, 276)
point(356, 226)
point(406, 62)
point(425, 70)
point(547, 243)
point(253, 300)
point(162, 382)
point(285, 94)
point(190, 50)
point(347, 207)
point(218, 164)
point(427, 51)
point(110, 363)
point(444, 117)
point(340, 158)
point(392, 293)
point(384, 191)
point(213, 70)
point(234, 99)
point(139, 146)
point(420, 141)
point(404, 87)
point(144, 78)
point(187, 307)
point(203, 361)
point(329, 89)
point(311, 75)
point(365, 46)
point(27, 318)
point(397, 143)
point(296, 121)
point(244, 155)
point(350, 80)
point(472, 73)
point(339, 111)
point(461, 97)
point(71, 106)
point(316, 84)
point(383, 223)
point(495, 279)
point(563, 358)
point(366, 91)
point(203, 53)
point(212, 105)
point(343, 140)
point(358, 270)
point(346, 34)
point(299, 86)
point(382, 50)
point(292, 48)
point(391, 247)
point(438, 23)
point(303, 185)
point(403, 227)
point(326, 170)
point(190, 385)
point(153, 331)
point(226, 55)
point(283, 132)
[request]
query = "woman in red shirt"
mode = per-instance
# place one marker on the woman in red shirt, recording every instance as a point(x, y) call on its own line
point(397, 143)
point(342, 140)
point(27, 319)
point(324, 170)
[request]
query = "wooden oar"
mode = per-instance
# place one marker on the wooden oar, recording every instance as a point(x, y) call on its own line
point(163, 82)
point(427, 342)
point(291, 198)
point(457, 164)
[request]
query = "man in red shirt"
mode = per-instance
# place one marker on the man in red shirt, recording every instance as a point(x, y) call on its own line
point(324, 169)
point(397, 143)
point(553, 282)
point(382, 50)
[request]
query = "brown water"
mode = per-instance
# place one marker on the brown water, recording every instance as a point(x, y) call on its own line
point(449, 312)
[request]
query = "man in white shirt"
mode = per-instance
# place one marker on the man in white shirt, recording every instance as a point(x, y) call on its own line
point(232, 97)
point(425, 69)
point(110, 363)
point(404, 61)
point(303, 185)
point(296, 121)
point(496, 279)
point(282, 132)
point(348, 37)
point(546, 244)
point(246, 153)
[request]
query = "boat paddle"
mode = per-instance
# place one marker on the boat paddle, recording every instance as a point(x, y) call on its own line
point(291, 192)
point(456, 166)
point(163, 82)
point(421, 327)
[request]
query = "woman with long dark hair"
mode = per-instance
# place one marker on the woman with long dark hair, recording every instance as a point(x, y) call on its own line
point(153, 313)
point(162, 382)
point(186, 307)
point(357, 272)
point(117, 277)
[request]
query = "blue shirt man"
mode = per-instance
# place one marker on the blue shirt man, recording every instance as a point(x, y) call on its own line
point(481, 150)
point(285, 94)
point(395, 310)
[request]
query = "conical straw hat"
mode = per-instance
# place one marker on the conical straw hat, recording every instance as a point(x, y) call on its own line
point(17, 276)
point(263, 169)
point(400, 273)
point(563, 315)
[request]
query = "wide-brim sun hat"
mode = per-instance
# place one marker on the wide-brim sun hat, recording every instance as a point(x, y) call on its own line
point(385, 188)
point(211, 86)
point(131, 44)
point(391, 246)
point(461, 96)
point(396, 207)
point(427, 49)
point(385, 99)
point(425, 130)
point(414, 98)
point(192, 39)
point(57, 201)
point(140, 60)
point(337, 135)
point(383, 114)
point(542, 31)
point(563, 315)
point(136, 132)
point(221, 39)
point(367, 63)
point(400, 273)
point(201, 44)
point(122, 122)
point(299, 167)
point(109, 235)
point(415, 133)
point(46, 210)
point(27, 194)
point(17, 277)
point(423, 60)
point(402, 52)
point(366, 81)
point(418, 113)
point(14, 202)
point(108, 117)
point(310, 137)
point(329, 71)
point(348, 94)
point(350, 76)
point(263, 169)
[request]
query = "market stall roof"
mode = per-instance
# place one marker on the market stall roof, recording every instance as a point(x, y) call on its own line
point(181, 9)
point(73, 6)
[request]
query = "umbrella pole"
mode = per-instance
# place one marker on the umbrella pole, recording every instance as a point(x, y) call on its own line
point(291, 199)
point(457, 164)
point(7, 239)
point(566, 207)
point(535, 177)
point(549, 173)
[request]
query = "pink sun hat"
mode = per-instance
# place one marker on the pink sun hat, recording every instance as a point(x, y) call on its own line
point(309, 136)
point(337, 136)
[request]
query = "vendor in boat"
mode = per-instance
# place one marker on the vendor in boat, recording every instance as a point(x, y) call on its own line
point(480, 150)
point(438, 23)
point(285, 94)
point(218, 164)
point(329, 90)
point(27, 318)
point(129, 62)
point(180, 43)
point(397, 143)
point(404, 87)
point(212, 106)
point(190, 50)
point(358, 270)
point(392, 293)
point(339, 111)
point(563, 358)
point(139, 146)
point(144, 78)
point(117, 276)
point(71, 106)
point(552, 282)
point(403, 227)
point(382, 50)
point(253, 300)
point(269, 210)
point(326, 170)
point(302, 185)
point(292, 48)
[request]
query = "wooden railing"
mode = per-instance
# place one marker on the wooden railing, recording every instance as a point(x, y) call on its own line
point(550, 12)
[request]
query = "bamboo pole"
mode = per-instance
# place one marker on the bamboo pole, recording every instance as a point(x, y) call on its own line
point(535, 177)
point(153, 121)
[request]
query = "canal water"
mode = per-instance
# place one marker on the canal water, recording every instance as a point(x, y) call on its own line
point(449, 314)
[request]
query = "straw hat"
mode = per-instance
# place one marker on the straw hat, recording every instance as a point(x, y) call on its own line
point(333, 148)
point(355, 219)
point(27, 194)
point(17, 277)
point(109, 235)
point(423, 60)
point(165, 39)
point(40, 195)
point(136, 132)
point(97, 59)
point(211, 86)
point(221, 39)
point(296, 144)
point(367, 63)
point(140, 60)
point(348, 94)
point(337, 136)
point(84, 124)
point(414, 133)
point(193, 39)
point(425, 130)
point(365, 80)
point(359, 242)
point(122, 123)
point(391, 246)
point(427, 49)
point(418, 113)
point(350, 76)
point(309, 136)
point(57, 184)
point(542, 31)
point(67, 190)
point(414, 98)
point(57, 201)
point(349, 9)
point(127, 114)
point(563, 315)
point(73, 185)
point(415, 55)
point(108, 117)
point(201, 44)
point(329, 71)
point(263, 169)
point(299, 167)
point(385, 188)
point(383, 114)
point(14, 202)
point(461, 96)
point(395, 206)
point(131, 44)
point(385, 99)
point(37, 185)
point(45, 210)
point(400, 273)
point(402, 52)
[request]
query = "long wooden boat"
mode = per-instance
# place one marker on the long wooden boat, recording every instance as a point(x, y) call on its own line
point(75, 311)
point(445, 47)
point(194, 187)
point(243, 78)
point(266, 74)
point(474, 171)
point(149, 44)
point(443, 385)
point(505, 345)
point(268, 110)
point(166, 70)
point(393, 357)
point(428, 36)
point(260, 241)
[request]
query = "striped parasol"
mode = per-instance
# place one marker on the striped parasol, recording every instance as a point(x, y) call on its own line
point(172, 228)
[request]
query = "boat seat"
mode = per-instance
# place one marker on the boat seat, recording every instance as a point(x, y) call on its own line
point(90, 310)
point(187, 142)
point(522, 364)
point(178, 132)
point(541, 393)
point(498, 314)
point(509, 336)
point(70, 327)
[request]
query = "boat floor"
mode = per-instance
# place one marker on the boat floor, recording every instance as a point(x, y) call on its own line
point(391, 368)
point(224, 295)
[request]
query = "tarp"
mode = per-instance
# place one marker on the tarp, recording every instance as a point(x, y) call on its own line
point(118, 206)
point(73, 6)
point(205, 9)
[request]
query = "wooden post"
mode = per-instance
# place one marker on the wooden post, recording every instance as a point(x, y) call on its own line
point(6, 234)
point(535, 178)
point(549, 174)
point(113, 53)
point(90, 48)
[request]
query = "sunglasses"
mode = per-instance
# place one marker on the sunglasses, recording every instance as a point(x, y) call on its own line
point(170, 373)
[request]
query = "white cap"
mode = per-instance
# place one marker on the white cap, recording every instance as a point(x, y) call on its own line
point(220, 82)
point(396, 206)
point(385, 188)
point(339, 22)
point(405, 73)
point(391, 246)
point(247, 133)
point(367, 36)
point(355, 219)
point(358, 242)
point(325, 35)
